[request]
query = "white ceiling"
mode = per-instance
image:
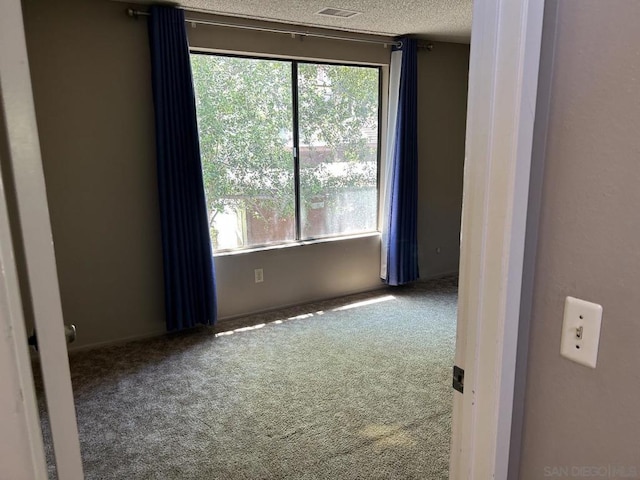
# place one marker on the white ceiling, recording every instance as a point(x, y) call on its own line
point(440, 20)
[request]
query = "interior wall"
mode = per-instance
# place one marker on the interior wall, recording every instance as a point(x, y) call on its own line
point(91, 81)
point(443, 75)
point(253, 42)
point(92, 90)
point(301, 273)
point(298, 274)
point(582, 422)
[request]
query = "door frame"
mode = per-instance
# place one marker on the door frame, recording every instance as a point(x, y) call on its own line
point(505, 53)
point(30, 233)
point(22, 452)
point(503, 86)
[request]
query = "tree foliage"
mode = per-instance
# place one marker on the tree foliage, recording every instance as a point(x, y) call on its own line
point(245, 122)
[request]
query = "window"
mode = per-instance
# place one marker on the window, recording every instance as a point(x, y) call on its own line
point(289, 149)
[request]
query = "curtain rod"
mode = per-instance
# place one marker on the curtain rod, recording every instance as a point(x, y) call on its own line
point(139, 13)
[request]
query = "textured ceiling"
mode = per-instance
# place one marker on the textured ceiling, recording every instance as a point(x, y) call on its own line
point(443, 20)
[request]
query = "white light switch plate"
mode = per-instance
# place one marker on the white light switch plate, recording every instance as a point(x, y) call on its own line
point(581, 331)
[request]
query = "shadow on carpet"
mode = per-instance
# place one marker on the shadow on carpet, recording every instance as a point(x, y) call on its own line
point(354, 388)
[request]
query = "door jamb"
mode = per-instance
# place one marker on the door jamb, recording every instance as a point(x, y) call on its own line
point(503, 82)
point(32, 233)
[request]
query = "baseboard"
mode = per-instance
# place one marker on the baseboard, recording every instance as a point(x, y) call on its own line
point(436, 276)
point(227, 318)
point(146, 336)
point(119, 341)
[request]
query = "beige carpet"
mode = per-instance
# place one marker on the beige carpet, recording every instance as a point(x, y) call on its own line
point(355, 388)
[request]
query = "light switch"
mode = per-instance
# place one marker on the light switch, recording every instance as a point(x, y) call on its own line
point(581, 331)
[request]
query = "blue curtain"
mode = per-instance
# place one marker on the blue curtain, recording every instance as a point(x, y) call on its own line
point(402, 253)
point(190, 295)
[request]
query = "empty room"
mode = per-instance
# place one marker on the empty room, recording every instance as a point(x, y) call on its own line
point(216, 261)
point(255, 209)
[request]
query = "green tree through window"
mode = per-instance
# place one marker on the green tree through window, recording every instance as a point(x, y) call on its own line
point(245, 112)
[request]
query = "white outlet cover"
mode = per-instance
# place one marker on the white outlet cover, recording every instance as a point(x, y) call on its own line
point(581, 347)
point(259, 275)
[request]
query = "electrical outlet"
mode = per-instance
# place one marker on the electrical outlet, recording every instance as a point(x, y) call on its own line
point(581, 331)
point(259, 275)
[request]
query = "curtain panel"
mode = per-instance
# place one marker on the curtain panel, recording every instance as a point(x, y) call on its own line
point(399, 256)
point(190, 295)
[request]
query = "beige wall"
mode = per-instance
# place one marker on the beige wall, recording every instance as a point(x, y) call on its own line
point(297, 274)
point(588, 246)
point(91, 80)
point(442, 105)
point(234, 40)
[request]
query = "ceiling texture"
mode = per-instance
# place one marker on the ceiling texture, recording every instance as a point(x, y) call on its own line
point(439, 20)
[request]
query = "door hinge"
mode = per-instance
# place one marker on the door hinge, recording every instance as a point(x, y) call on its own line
point(458, 379)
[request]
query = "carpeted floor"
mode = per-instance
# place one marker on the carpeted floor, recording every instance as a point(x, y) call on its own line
point(355, 388)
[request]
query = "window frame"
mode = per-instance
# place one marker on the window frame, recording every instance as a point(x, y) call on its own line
point(294, 62)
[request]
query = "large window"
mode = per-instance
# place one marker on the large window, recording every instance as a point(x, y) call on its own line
point(289, 149)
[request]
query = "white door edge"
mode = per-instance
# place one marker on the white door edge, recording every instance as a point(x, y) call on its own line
point(21, 447)
point(503, 80)
point(25, 162)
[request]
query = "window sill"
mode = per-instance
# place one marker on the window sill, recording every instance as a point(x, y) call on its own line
point(301, 243)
